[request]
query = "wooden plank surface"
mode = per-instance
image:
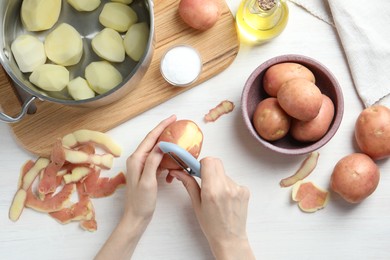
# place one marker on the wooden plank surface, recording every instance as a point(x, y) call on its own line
point(218, 47)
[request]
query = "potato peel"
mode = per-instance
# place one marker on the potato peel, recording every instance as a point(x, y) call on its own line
point(17, 205)
point(71, 166)
point(85, 136)
point(310, 198)
point(307, 166)
point(222, 108)
point(50, 203)
point(98, 187)
point(47, 184)
point(81, 210)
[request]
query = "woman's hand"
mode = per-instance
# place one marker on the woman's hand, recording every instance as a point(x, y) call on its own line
point(221, 208)
point(142, 170)
point(141, 196)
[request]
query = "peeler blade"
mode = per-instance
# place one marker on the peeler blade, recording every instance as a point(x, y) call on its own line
point(183, 158)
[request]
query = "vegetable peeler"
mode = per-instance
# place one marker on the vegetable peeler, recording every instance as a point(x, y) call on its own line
point(183, 158)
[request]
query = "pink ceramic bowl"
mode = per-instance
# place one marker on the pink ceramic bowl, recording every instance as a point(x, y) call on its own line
point(253, 93)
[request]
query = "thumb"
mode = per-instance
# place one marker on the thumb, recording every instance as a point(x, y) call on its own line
point(190, 184)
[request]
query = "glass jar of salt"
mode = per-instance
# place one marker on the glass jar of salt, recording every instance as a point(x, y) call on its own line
point(181, 65)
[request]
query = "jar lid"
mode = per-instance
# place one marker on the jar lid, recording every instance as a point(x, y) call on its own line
point(181, 65)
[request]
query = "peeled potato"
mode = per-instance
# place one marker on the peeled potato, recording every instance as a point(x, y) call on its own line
point(39, 15)
point(50, 77)
point(84, 5)
point(118, 16)
point(79, 89)
point(102, 76)
point(136, 39)
point(126, 2)
point(64, 45)
point(108, 44)
point(29, 52)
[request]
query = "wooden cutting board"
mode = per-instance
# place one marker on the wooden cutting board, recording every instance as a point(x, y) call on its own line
point(218, 47)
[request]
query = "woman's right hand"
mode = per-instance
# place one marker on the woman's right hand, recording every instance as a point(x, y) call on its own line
point(221, 208)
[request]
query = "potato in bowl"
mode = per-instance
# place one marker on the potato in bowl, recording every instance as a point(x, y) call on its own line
point(254, 92)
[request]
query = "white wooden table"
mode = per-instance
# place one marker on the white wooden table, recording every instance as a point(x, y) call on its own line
point(277, 229)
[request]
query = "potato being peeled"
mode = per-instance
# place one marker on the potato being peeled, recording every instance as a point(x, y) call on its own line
point(372, 132)
point(278, 74)
point(300, 98)
point(40, 15)
point(187, 135)
point(313, 130)
point(355, 177)
point(50, 77)
point(200, 14)
point(102, 76)
point(270, 120)
point(64, 45)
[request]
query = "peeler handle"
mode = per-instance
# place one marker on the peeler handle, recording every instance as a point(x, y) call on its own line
point(185, 156)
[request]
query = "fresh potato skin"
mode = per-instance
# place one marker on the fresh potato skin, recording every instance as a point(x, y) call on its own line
point(355, 177)
point(372, 132)
point(187, 135)
point(200, 14)
point(270, 120)
point(278, 74)
point(313, 130)
point(300, 98)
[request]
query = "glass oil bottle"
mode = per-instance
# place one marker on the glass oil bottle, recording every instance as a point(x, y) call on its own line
point(259, 21)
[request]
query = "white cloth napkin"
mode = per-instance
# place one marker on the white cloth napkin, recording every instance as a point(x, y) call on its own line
point(364, 29)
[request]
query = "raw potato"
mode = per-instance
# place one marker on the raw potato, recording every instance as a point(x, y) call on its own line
point(300, 98)
point(315, 129)
point(64, 45)
point(84, 5)
point(39, 15)
point(372, 132)
point(50, 77)
point(126, 2)
point(79, 89)
point(187, 135)
point(355, 177)
point(136, 40)
point(200, 14)
point(108, 45)
point(29, 52)
point(102, 76)
point(278, 74)
point(270, 120)
point(118, 16)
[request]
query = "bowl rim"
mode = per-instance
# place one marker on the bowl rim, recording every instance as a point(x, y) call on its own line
point(298, 58)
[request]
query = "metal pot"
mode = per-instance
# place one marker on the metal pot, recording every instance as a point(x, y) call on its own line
point(87, 24)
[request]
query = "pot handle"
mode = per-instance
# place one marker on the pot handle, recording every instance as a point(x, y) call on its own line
point(9, 119)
